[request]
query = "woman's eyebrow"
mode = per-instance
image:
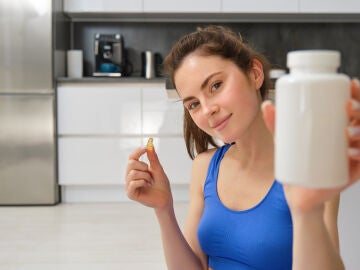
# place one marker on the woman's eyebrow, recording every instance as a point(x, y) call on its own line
point(206, 81)
point(187, 99)
point(203, 85)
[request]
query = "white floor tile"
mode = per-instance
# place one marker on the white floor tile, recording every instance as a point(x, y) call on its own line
point(82, 236)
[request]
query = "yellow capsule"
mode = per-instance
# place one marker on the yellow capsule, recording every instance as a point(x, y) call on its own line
point(150, 145)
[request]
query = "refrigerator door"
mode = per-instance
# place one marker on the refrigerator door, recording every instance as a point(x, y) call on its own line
point(26, 46)
point(27, 150)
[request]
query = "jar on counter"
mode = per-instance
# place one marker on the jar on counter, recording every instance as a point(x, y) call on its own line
point(311, 145)
point(274, 75)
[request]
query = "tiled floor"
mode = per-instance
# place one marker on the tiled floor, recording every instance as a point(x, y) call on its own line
point(121, 236)
point(98, 236)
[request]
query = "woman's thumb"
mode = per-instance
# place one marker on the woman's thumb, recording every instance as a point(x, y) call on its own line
point(152, 156)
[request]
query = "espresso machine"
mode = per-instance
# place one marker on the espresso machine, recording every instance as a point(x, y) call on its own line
point(109, 55)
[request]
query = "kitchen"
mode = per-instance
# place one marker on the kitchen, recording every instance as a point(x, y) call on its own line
point(92, 139)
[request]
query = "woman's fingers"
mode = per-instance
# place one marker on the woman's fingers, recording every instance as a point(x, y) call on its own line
point(135, 175)
point(353, 106)
point(137, 170)
point(134, 163)
point(355, 89)
point(353, 110)
point(353, 133)
point(137, 153)
point(133, 187)
point(354, 153)
point(353, 130)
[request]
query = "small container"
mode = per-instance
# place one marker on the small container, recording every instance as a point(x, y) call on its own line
point(274, 75)
point(74, 63)
point(148, 65)
point(310, 141)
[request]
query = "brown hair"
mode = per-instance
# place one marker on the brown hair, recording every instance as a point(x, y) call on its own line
point(212, 40)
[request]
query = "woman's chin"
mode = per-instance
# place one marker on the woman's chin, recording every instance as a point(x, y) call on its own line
point(221, 140)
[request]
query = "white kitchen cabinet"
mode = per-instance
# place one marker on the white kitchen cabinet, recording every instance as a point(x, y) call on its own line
point(100, 124)
point(176, 6)
point(326, 6)
point(161, 116)
point(212, 6)
point(99, 109)
point(260, 6)
point(174, 158)
point(94, 160)
point(101, 6)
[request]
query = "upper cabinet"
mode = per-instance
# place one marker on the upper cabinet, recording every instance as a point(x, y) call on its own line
point(113, 6)
point(182, 6)
point(326, 6)
point(260, 6)
point(218, 10)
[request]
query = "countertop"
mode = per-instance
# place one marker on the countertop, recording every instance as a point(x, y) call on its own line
point(110, 80)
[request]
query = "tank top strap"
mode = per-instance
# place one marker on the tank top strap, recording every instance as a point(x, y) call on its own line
point(213, 169)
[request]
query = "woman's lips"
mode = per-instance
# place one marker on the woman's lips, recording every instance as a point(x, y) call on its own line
point(219, 125)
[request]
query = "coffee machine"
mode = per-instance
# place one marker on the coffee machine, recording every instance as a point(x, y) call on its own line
point(109, 55)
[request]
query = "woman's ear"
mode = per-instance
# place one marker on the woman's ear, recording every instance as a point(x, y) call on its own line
point(257, 73)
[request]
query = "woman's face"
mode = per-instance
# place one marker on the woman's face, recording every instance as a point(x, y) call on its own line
point(220, 98)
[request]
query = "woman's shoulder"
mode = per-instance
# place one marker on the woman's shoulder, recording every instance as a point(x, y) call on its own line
point(204, 158)
point(200, 166)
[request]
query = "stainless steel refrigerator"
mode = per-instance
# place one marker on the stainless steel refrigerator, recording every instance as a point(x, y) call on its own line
point(28, 166)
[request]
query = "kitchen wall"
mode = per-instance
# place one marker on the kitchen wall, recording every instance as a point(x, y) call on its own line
point(273, 39)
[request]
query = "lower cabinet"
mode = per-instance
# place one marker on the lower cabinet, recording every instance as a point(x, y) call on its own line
point(99, 125)
point(94, 161)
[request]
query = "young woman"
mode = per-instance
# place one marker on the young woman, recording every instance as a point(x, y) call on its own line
point(239, 216)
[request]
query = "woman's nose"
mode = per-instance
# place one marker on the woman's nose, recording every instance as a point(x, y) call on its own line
point(209, 108)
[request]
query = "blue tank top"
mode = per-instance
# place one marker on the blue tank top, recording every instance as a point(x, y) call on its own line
point(256, 238)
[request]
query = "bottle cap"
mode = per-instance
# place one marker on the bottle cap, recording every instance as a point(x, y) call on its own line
point(313, 58)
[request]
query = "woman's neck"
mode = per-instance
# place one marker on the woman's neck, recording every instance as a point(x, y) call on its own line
point(255, 147)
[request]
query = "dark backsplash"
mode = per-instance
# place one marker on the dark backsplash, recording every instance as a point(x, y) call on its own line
point(274, 40)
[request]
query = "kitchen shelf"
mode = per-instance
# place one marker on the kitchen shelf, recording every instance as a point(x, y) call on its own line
point(216, 17)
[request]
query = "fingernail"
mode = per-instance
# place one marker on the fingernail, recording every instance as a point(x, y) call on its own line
point(354, 131)
point(354, 151)
point(355, 105)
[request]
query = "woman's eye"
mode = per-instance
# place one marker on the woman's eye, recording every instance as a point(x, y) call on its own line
point(215, 86)
point(192, 105)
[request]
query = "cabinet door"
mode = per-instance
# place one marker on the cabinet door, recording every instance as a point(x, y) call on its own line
point(102, 6)
point(89, 160)
point(325, 6)
point(161, 115)
point(182, 6)
point(260, 6)
point(93, 109)
point(174, 158)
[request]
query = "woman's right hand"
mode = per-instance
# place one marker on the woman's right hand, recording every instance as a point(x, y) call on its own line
point(146, 184)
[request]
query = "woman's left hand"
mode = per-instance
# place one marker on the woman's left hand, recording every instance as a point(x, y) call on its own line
point(305, 199)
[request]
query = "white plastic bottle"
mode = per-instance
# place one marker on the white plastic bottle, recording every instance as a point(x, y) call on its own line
point(310, 141)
